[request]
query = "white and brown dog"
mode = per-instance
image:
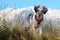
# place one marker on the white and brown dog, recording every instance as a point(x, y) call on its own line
point(39, 17)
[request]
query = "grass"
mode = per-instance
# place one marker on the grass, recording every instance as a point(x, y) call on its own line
point(8, 32)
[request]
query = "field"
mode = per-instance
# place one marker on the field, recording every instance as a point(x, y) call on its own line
point(9, 32)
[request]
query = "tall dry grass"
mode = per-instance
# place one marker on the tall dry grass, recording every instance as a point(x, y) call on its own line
point(8, 32)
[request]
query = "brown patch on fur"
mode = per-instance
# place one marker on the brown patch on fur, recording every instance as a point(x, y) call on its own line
point(36, 8)
point(38, 22)
point(45, 9)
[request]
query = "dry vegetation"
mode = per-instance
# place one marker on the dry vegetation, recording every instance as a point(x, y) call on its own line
point(8, 32)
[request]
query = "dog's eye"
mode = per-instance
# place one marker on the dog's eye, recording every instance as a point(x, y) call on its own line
point(42, 11)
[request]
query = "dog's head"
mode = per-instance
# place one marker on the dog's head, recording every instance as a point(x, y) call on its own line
point(39, 8)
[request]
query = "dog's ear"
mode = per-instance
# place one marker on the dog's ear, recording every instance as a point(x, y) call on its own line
point(36, 8)
point(45, 9)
